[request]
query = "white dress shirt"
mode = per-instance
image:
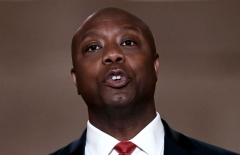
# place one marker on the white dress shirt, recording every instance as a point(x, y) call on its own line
point(149, 141)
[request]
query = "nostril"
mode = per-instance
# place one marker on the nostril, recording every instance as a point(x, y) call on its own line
point(108, 61)
point(118, 59)
point(110, 58)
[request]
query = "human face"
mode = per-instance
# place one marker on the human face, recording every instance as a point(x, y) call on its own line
point(114, 64)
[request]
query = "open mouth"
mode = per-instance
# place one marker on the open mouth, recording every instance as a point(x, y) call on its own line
point(116, 78)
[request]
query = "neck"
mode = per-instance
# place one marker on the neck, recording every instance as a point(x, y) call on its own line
point(123, 123)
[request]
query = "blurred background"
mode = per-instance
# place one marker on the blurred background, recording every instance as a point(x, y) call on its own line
point(198, 89)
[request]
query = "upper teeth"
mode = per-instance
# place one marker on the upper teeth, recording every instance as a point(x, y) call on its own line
point(116, 77)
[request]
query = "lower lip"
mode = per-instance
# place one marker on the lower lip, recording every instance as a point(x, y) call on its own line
point(117, 83)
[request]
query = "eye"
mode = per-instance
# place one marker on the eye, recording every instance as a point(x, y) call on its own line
point(128, 43)
point(93, 48)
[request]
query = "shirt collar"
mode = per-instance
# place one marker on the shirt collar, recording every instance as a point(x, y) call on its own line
point(99, 142)
point(149, 139)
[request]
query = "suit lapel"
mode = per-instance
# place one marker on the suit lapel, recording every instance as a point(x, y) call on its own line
point(176, 143)
point(75, 148)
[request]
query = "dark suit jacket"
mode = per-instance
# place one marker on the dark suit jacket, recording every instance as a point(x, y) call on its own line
point(175, 143)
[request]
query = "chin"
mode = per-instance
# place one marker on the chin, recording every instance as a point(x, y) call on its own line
point(120, 100)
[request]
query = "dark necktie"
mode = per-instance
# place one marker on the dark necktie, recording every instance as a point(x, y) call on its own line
point(125, 148)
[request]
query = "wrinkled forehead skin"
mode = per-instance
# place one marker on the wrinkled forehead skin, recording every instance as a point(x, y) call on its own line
point(111, 15)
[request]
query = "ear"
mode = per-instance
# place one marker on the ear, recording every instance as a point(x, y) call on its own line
point(73, 73)
point(156, 63)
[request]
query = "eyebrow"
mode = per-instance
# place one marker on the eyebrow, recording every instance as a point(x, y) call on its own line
point(91, 33)
point(125, 28)
point(131, 28)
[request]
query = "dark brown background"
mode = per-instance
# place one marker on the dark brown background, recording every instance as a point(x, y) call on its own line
point(198, 91)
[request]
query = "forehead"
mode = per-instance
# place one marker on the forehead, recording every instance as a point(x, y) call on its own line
point(117, 19)
point(110, 21)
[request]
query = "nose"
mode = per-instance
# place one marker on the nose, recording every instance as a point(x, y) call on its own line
point(113, 55)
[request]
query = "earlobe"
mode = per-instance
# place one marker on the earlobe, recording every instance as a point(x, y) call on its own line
point(73, 73)
point(156, 63)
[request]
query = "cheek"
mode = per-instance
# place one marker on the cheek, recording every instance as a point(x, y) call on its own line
point(143, 67)
point(86, 76)
point(142, 64)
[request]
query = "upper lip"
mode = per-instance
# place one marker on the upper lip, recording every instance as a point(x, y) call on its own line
point(116, 72)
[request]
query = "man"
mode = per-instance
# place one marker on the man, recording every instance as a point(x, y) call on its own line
point(115, 67)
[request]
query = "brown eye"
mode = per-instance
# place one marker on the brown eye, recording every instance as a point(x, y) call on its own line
point(128, 43)
point(93, 48)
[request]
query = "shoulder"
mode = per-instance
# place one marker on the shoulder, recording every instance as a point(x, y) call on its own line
point(205, 148)
point(179, 144)
point(74, 148)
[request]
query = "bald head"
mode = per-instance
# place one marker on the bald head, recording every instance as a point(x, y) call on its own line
point(109, 15)
point(115, 67)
